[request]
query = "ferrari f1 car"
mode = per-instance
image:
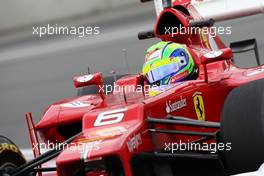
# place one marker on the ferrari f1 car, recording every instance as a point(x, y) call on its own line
point(217, 117)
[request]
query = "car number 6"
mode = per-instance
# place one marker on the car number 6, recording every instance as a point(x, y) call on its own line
point(110, 117)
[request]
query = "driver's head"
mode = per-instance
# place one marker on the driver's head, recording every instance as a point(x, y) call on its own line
point(168, 63)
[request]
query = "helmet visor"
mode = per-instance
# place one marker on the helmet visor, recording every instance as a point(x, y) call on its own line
point(161, 72)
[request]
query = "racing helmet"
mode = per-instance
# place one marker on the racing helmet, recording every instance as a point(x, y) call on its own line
point(167, 63)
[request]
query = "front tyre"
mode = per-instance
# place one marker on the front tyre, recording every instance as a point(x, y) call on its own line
point(242, 125)
point(10, 156)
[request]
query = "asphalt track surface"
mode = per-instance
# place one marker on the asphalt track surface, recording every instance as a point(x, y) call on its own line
point(33, 74)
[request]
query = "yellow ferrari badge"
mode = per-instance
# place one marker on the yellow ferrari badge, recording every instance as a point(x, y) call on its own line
point(199, 105)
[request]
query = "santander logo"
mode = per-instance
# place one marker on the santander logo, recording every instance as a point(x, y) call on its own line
point(170, 107)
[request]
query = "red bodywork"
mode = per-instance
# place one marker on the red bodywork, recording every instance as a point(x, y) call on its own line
point(116, 125)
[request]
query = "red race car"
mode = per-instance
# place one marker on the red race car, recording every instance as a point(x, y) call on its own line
point(217, 116)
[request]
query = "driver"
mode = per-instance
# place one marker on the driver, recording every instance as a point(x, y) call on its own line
point(167, 63)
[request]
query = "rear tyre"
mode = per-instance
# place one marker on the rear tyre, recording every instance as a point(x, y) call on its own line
point(10, 156)
point(242, 125)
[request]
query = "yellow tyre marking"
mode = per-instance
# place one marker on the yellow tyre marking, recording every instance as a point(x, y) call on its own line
point(10, 147)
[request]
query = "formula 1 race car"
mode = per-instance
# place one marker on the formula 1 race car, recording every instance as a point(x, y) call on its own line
point(210, 125)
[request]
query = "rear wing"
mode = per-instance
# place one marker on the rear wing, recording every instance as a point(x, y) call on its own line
point(210, 11)
point(219, 10)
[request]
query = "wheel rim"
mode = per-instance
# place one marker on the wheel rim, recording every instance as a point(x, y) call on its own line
point(7, 168)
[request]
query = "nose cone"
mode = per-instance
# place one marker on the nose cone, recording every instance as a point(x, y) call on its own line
point(68, 111)
point(49, 118)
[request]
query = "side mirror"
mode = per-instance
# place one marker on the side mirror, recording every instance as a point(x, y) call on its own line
point(90, 79)
point(215, 56)
point(86, 80)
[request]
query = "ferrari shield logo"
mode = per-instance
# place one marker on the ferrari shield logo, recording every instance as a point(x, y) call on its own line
point(199, 105)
